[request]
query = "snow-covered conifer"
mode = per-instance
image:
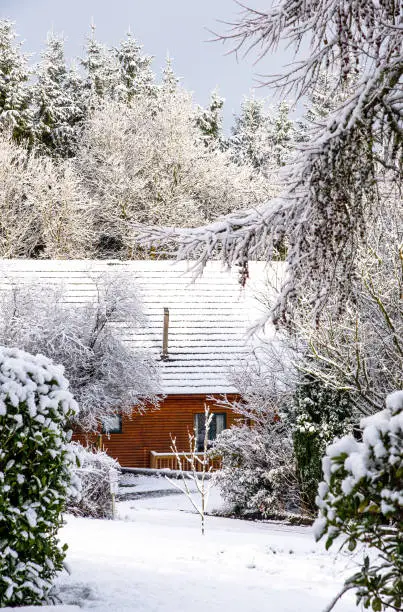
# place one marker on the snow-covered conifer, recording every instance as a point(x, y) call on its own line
point(169, 79)
point(101, 72)
point(35, 474)
point(56, 96)
point(135, 74)
point(15, 114)
point(209, 120)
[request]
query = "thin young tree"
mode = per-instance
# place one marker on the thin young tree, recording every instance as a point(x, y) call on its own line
point(196, 466)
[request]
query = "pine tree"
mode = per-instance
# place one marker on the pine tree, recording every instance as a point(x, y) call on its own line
point(209, 120)
point(265, 139)
point(169, 79)
point(102, 72)
point(135, 75)
point(283, 135)
point(249, 140)
point(57, 95)
point(15, 113)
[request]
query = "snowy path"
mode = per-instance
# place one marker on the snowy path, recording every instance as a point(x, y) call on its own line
point(154, 559)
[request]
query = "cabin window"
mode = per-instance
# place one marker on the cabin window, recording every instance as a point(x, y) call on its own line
point(112, 424)
point(217, 425)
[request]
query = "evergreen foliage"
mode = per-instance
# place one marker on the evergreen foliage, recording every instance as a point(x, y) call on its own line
point(56, 98)
point(15, 95)
point(209, 121)
point(360, 502)
point(321, 414)
point(135, 74)
point(35, 474)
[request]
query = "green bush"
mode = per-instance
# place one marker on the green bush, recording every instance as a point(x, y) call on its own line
point(35, 406)
point(361, 501)
point(320, 415)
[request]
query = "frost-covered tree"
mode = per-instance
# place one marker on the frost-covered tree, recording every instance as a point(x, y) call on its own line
point(94, 474)
point(35, 474)
point(56, 94)
point(360, 351)
point(265, 138)
point(134, 74)
point(105, 375)
point(360, 502)
point(148, 163)
point(249, 138)
point(43, 212)
point(169, 79)
point(209, 120)
point(258, 475)
point(101, 70)
point(331, 193)
point(15, 97)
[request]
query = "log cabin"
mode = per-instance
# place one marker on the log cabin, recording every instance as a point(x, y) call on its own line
point(196, 329)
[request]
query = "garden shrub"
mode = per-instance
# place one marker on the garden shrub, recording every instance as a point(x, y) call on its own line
point(93, 472)
point(35, 474)
point(361, 501)
point(320, 415)
point(258, 473)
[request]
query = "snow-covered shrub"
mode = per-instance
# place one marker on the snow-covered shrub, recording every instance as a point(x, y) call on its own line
point(361, 500)
point(93, 472)
point(258, 473)
point(35, 474)
point(320, 415)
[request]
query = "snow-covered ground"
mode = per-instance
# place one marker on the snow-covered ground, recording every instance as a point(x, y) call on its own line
point(153, 558)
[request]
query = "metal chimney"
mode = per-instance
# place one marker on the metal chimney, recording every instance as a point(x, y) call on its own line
point(164, 354)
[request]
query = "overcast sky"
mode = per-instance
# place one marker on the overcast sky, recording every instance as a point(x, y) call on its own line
point(175, 26)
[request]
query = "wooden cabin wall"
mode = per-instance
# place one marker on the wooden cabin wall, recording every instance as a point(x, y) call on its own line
point(151, 431)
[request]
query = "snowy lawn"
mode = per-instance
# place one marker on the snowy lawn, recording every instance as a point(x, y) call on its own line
point(153, 558)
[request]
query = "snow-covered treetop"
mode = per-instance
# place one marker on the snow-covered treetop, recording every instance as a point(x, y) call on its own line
point(36, 381)
point(14, 73)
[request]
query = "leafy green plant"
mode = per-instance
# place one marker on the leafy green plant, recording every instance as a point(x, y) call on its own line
point(35, 475)
point(361, 501)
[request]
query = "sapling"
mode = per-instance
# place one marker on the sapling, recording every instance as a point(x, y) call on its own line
point(200, 468)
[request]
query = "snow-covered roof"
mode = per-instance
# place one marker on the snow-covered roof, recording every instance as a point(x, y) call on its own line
point(209, 318)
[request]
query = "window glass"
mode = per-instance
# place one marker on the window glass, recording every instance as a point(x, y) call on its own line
point(218, 423)
point(112, 424)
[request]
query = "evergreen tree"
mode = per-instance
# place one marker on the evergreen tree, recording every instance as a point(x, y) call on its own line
point(249, 140)
point(282, 134)
point(102, 72)
point(265, 139)
point(321, 414)
point(57, 95)
point(209, 120)
point(169, 79)
point(135, 74)
point(15, 113)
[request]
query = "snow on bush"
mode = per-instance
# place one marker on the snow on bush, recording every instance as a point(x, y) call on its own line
point(35, 474)
point(258, 473)
point(361, 500)
point(93, 471)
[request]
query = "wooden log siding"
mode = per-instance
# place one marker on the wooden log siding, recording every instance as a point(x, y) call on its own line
point(151, 431)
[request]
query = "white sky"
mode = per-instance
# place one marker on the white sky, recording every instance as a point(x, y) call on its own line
point(175, 26)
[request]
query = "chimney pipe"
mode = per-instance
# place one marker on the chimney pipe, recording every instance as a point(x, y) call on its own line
point(164, 354)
